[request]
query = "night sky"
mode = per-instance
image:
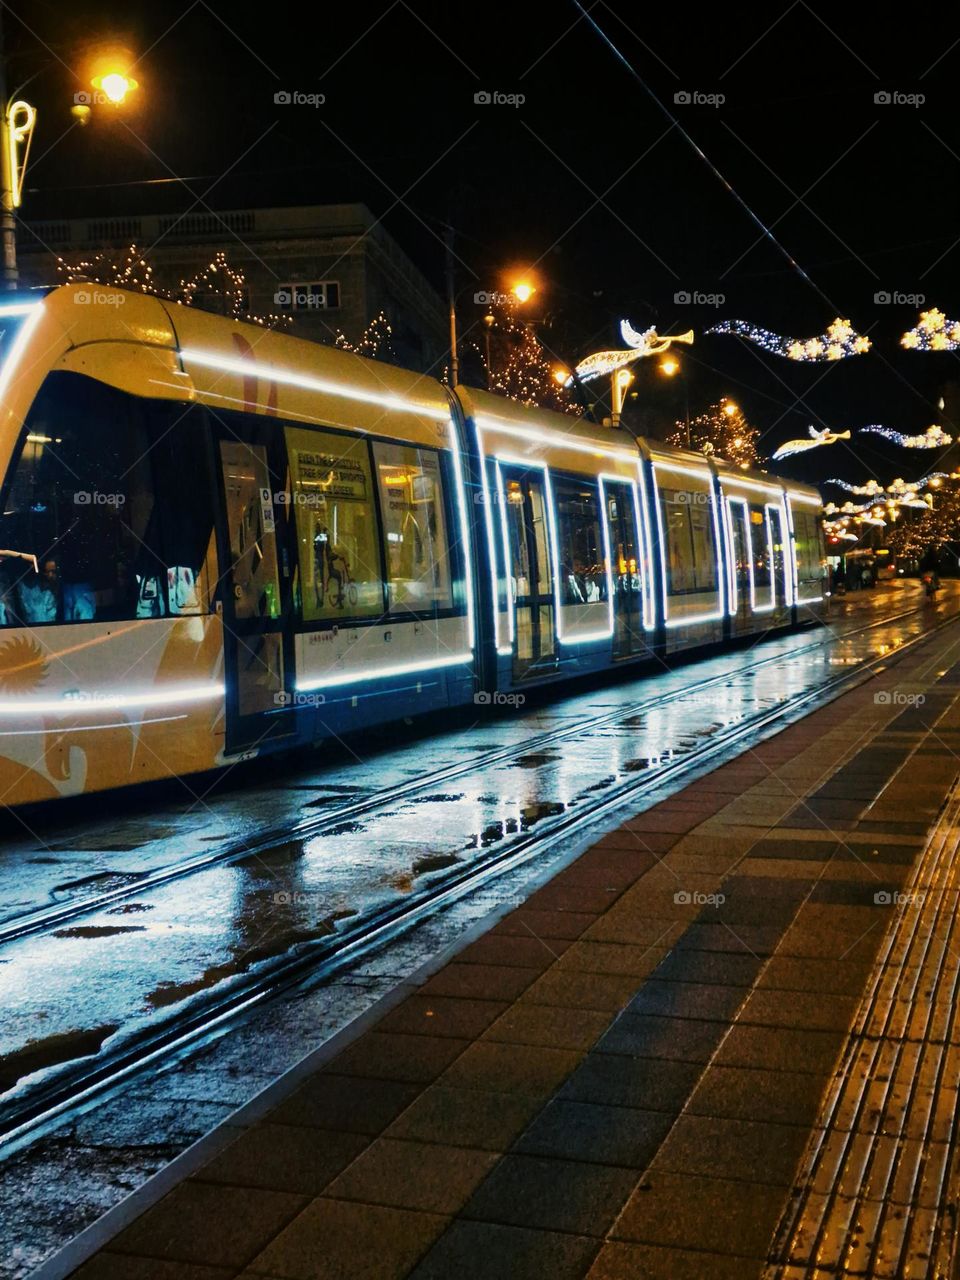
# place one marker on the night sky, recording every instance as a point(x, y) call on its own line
point(587, 181)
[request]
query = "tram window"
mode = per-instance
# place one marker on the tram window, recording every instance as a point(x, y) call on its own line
point(80, 499)
point(583, 569)
point(337, 533)
point(690, 555)
point(186, 537)
point(760, 548)
point(411, 500)
point(808, 544)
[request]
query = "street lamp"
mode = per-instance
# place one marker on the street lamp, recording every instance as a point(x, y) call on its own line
point(115, 86)
point(670, 366)
point(16, 132)
point(523, 290)
point(621, 380)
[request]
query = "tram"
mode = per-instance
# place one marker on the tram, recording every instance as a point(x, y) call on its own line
point(219, 541)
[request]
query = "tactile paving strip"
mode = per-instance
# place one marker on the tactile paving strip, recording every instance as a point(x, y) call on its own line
point(875, 1196)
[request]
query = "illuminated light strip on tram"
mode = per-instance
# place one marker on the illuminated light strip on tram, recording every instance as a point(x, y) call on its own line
point(505, 544)
point(111, 701)
point(536, 436)
point(731, 503)
point(767, 608)
point(97, 728)
point(255, 369)
point(769, 509)
point(492, 547)
point(643, 520)
point(464, 533)
point(32, 311)
point(689, 619)
point(794, 496)
point(527, 464)
point(786, 522)
point(310, 683)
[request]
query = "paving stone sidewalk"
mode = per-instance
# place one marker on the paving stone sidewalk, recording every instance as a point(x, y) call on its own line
point(620, 1078)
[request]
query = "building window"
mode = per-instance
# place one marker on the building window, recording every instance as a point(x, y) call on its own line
point(320, 295)
point(411, 499)
point(337, 533)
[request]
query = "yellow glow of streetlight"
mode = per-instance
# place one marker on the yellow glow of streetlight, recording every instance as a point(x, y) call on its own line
point(115, 86)
point(523, 291)
point(561, 375)
point(729, 408)
point(669, 366)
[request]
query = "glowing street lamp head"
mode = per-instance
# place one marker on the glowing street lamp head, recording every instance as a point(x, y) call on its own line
point(669, 365)
point(561, 375)
point(115, 86)
point(523, 291)
point(730, 409)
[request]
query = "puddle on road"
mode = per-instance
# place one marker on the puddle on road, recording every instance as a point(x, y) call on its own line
point(534, 760)
point(99, 930)
point(434, 862)
point(38, 1054)
point(102, 882)
point(531, 814)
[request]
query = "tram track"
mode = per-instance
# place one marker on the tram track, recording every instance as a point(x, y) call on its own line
point(313, 962)
point(61, 914)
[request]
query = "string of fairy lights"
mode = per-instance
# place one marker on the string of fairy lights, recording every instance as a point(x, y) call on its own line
point(130, 269)
point(838, 342)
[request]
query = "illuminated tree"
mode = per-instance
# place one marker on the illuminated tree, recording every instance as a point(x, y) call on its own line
point(722, 431)
point(915, 530)
point(520, 365)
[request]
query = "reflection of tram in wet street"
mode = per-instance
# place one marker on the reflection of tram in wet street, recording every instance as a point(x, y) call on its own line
point(245, 542)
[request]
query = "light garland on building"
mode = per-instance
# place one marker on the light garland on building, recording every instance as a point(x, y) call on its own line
point(817, 440)
point(933, 332)
point(376, 342)
point(131, 270)
point(933, 438)
point(840, 341)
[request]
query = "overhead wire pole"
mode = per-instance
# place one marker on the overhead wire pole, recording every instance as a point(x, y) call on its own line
point(728, 187)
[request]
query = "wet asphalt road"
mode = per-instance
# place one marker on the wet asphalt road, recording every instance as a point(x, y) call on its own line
point(110, 972)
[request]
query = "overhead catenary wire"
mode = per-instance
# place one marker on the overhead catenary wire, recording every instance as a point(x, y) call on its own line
point(728, 186)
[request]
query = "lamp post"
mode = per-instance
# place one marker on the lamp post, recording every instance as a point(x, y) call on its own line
point(523, 290)
point(618, 393)
point(17, 122)
point(670, 366)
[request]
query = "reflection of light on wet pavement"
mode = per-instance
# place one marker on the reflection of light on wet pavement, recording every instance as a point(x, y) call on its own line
point(120, 965)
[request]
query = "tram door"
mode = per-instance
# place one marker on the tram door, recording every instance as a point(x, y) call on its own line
point(742, 551)
point(778, 534)
point(254, 591)
point(628, 635)
point(530, 571)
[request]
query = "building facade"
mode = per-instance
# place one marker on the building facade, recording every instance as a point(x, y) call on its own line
point(332, 268)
